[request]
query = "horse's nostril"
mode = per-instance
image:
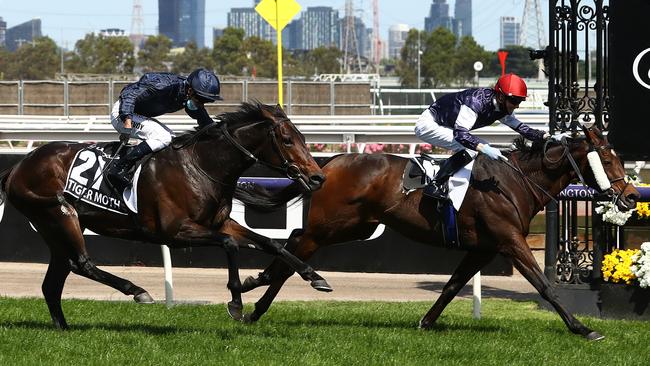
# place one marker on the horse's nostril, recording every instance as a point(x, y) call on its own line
point(633, 197)
point(317, 179)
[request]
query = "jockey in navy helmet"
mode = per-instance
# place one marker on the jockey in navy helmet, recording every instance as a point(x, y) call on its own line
point(448, 121)
point(153, 95)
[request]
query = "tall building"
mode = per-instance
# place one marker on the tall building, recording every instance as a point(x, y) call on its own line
point(320, 27)
point(438, 16)
point(292, 35)
point(216, 33)
point(182, 21)
point(251, 22)
point(3, 31)
point(397, 35)
point(463, 15)
point(22, 33)
point(509, 30)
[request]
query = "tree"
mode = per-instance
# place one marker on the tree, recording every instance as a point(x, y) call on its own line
point(33, 60)
point(467, 53)
point(321, 60)
point(439, 58)
point(261, 56)
point(518, 62)
point(191, 58)
point(407, 66)
point(154, 53)
point(228, 52)
point(102, 55)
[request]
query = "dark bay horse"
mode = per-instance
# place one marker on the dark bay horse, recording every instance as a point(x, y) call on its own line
point(364, 190)
point(185, 195)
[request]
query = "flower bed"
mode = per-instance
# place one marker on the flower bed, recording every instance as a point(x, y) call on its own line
point(625, 294)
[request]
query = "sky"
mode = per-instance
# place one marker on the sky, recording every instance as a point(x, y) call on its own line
point(66, 21)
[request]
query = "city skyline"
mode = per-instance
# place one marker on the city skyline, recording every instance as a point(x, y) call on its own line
point(66, 26)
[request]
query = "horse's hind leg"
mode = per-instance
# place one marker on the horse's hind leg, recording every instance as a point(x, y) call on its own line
point(526, 264)
point(468, 267)
point(83, 266)
point(52, 287)
point(64, 235)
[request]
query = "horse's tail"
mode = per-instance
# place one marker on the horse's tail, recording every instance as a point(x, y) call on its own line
point(259, 198)
point(3, 179)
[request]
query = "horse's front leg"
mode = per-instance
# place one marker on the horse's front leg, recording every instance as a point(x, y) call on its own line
point(468, 267)
point(526, 264)
point(192, 234)
point(246, 237)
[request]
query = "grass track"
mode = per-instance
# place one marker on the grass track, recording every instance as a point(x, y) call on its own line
point(310, 333)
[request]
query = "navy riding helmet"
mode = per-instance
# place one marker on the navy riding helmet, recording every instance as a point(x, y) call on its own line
point(205, 84)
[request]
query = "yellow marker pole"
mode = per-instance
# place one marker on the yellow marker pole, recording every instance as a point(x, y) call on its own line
point(278, 30)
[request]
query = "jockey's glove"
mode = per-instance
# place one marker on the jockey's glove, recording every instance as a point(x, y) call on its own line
point(493, 153)
point(558, 136)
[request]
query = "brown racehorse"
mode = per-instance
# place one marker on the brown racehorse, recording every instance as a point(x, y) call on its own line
point(364, 190)
point(185, 195)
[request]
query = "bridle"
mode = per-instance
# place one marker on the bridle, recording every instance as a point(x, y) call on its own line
point(574, 165)
point(287, 167)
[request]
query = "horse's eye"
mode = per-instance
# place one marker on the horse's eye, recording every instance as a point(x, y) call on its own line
point(287, 140)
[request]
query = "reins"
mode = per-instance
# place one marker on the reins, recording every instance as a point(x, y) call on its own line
point(289, 168)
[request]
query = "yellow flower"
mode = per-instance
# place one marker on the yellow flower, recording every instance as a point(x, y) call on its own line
point(616, 266)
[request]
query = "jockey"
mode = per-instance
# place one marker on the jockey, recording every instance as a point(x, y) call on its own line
point(448, 121)
point(153, 95)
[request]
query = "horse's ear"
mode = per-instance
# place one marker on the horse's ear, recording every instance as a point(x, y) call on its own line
point(278, 108)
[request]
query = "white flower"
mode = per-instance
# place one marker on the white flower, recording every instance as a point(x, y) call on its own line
point(611, 213)
point(641, 265)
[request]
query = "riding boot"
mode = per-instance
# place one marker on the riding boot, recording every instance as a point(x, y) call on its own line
point(438, 187)
point(118, 173)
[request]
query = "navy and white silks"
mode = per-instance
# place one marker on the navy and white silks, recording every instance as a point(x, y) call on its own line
point(448, 121)
point(153, 95)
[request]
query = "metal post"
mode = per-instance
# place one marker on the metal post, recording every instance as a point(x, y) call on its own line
point(169, 285)
point(332, 98)
point(476, 295)
point(419, 50)
point(289, 97)
point(551, 242)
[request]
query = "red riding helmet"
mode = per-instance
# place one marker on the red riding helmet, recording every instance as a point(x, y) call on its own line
point(511, 85)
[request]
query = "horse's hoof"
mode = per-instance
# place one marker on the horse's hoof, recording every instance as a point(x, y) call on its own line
point(143, 298)
point(321, 285)
point(250, 318)
point(249, 283)
point(595, 336)
point(235, 311)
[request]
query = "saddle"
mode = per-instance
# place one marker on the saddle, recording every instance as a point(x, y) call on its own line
point(419, 173)
point(86, 182)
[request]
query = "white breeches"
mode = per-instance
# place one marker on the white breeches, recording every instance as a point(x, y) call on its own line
point(155, 134)
point(429, 131)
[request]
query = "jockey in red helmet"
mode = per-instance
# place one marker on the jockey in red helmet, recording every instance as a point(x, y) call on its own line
point(448, 121)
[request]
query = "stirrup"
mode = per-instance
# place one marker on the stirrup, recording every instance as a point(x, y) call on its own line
point(434, 191)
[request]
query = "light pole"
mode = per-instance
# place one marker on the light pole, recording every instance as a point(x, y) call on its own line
point(478, 66)
point(419, 54)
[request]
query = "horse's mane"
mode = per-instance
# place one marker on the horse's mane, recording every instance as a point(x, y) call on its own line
point(526, 149)
point(248, 112)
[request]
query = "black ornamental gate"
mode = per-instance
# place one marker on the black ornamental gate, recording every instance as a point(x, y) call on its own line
point(593, 47)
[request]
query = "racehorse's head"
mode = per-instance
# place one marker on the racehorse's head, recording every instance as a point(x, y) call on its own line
point(275, 141)
point(606, 172)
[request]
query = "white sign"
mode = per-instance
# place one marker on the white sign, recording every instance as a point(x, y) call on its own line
point(635, 69)
point(478, 66)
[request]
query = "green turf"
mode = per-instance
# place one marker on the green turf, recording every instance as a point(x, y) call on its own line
point(309, 333)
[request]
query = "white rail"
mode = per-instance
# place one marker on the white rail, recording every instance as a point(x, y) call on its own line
point(317, 129)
